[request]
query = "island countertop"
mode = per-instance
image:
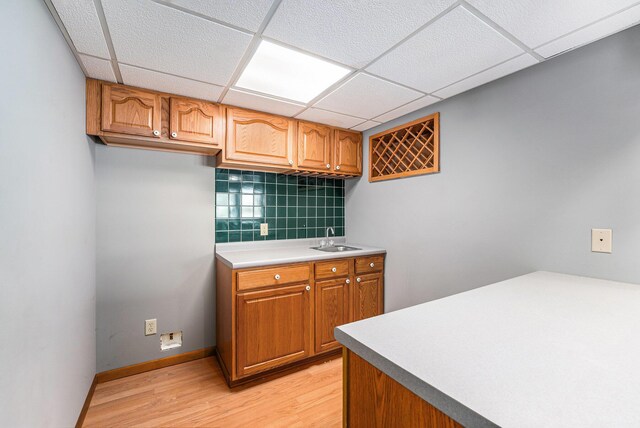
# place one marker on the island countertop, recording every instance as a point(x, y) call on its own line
point(539, 350)
point(264, 253)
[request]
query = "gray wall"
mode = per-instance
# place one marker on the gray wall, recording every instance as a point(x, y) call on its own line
point(155, 252)
point(530, 163)
point(47, 224)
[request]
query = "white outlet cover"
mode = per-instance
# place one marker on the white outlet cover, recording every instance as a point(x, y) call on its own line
point(150, 327)
point(264, 229)
point(170, 340)
point(601, 240)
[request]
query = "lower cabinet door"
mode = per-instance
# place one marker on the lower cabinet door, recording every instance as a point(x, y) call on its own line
point(332, 310)
point(273, 328)
point(367, 296)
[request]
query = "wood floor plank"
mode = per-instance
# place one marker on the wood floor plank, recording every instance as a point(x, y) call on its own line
point(195, 394)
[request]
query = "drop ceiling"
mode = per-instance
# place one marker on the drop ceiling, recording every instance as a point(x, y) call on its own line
point(401, 55)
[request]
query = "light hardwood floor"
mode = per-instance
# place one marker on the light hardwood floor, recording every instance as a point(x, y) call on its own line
point(195, 394)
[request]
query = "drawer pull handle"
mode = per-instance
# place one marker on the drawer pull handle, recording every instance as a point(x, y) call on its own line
point(277, 277)
point(372, 264)
point(308, 287)
point(334, 269)
point(358, 279)
point(348, 281)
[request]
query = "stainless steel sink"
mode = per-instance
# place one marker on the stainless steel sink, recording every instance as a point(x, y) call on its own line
point(336, 248)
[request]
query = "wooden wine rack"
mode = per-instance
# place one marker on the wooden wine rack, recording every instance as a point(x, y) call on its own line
point(406, 150)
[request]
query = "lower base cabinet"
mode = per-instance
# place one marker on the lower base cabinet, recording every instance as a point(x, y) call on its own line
point(272, 318)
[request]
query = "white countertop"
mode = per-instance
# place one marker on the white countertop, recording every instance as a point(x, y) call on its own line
point(540, 350)
point(240, 255)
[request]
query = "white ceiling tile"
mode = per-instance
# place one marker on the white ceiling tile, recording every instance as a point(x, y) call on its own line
point(330, 118)
point(367, 96)
point(452, 48)
point(258, 102)
point(535, 22)
point(81, 21)
point(246, 14)
point(348, 31)
point(365, 125)
point(98, 68)
point(593, 32)
point(407, 108)
point(142, 78)
point(157, 37)
point(511, 66)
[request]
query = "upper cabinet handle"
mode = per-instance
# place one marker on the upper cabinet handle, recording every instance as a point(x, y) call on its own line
point(372, 264)
point(174, 134)
point(358, 279)
point(308, 287)
point(348, 281)
point(328, 166)
point(156, 132)
point(290, 162)
point(334, 269)
point(277, 277)
point(337, 166)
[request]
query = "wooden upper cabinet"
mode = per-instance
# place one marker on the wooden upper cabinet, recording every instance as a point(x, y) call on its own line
point(367, 296)
point(273, 328)
point(314, 146)
point(259, 138)
point(195, 121)
point(347, 152)
point(130, 111)
point(332, 310)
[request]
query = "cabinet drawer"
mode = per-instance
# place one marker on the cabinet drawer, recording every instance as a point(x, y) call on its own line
point(369, 264)
point(332, 269)
point(272, 276)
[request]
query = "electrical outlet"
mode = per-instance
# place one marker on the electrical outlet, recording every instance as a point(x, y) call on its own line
point(264, 229)
point(601, 240)
point(170, 340)
point(150, 327)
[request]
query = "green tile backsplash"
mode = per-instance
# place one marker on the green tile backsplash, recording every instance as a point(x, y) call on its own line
point(294, 207)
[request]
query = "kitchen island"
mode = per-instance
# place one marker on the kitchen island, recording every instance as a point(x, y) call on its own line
point(540, 350)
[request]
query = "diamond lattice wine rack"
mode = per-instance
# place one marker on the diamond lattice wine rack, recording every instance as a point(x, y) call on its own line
point(406, 150)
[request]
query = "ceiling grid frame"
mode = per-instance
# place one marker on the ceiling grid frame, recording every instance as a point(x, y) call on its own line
point(258, 36)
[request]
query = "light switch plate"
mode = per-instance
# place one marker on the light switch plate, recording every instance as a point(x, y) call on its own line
point(601, 240)
point(264, 229)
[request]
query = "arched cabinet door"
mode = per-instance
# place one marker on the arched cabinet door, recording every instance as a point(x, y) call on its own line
point(259, 138)
point(314, 147)
point(195, 121)
point(347, 152)
point(131, 111)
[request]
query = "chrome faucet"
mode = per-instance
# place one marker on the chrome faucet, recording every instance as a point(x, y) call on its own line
point(328, 242)
point(330, 229)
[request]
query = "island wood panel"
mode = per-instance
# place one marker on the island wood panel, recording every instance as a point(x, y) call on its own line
point(196, 121)
point(259, 138)
point(314, 146)
point(347, 152)
point(274, 327)
point(332, 310)
point(367, 296)
point(130, 111)
point(373, 399)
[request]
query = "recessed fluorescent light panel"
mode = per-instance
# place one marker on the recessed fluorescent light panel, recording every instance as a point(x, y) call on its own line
point(286, 73)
